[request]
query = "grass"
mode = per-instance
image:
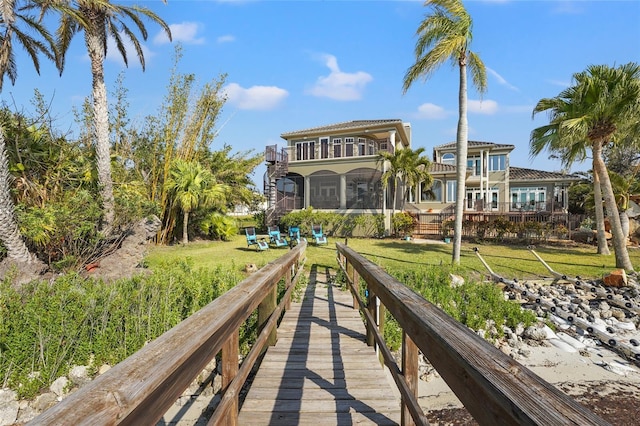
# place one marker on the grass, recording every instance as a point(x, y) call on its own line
point(505, 260)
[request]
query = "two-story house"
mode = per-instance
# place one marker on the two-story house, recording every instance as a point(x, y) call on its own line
point(336, 168)
point(333, 167)
point(492, 184)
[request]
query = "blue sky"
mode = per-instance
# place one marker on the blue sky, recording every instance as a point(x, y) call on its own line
point(291, 65)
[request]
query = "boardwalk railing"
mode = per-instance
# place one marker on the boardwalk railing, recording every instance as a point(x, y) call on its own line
point(493, 387)
point(140, 389)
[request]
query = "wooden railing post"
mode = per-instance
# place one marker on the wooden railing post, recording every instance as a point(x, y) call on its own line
point(372, 307)
point(265, 309)
point(410, 371)
point(287, 284)
point(230, 352)
point(355, 280)
point(381, 313)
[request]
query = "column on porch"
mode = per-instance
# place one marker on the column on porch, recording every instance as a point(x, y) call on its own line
point(307, 191)
point(343, 191)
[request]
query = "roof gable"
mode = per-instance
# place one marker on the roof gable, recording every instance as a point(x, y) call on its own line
point(343, 126)
point(474, 144)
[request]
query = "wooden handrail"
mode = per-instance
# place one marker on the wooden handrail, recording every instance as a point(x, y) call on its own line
point(493, 387)
point(140, 389)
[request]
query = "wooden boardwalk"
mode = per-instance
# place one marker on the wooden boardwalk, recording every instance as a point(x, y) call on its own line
point(321, 371)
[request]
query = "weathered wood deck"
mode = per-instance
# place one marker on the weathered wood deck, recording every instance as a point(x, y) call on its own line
point(321, 371)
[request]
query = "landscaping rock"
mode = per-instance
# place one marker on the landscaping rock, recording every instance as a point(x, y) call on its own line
point(617, 278)
point(79, 375)
point(44, 401)
point(59, 386)
point(9, 407)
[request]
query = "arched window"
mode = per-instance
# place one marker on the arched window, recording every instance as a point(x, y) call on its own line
point(324, 187)
point(364, 189)
point(449, 158)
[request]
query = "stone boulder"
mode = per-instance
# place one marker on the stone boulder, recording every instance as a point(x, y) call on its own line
point(617, 278)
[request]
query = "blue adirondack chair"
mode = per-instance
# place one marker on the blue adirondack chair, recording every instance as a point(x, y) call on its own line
point(294, 234)
point(252, 239)
point(318, 236)
point(276, 238)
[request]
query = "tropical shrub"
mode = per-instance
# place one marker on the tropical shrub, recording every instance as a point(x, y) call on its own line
point(403, 223)
point(45, 328)
point(219, 226)
point(473, 304)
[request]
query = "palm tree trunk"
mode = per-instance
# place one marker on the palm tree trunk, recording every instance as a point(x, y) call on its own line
point(603, 248)
point(185, 223)
point(619, 240)
point(95, 48)
point(9, 231)
point(461, 162)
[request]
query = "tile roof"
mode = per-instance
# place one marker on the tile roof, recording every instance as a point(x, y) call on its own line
point(474, 144)
point(441, 167)
point(346, 125)
point(519, 173)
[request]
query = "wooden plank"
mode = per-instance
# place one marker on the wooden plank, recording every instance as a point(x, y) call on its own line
point(321, 371)
point(325, 419)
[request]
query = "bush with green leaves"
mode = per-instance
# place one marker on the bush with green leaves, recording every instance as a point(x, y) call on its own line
point(47, 327)
point(473, 304)
point(219, 226)
point(404, 223)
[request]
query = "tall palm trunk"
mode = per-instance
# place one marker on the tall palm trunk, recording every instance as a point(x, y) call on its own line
point(185, 223)
point(619, 240)
point(461, 163)
point(603, 248)
point(95, 39)
point(9, 231)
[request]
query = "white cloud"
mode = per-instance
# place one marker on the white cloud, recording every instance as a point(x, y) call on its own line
point(431, 112)
point(228, 38)
point(339, 85)
point(255, 97)
point(483, 107)
point(185, 32)
point(501, 80)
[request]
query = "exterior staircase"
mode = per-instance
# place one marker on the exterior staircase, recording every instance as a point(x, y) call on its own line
point(277, 167)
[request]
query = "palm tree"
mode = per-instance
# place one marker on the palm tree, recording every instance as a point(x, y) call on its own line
point(403, 167)
point(594, 111)
point(443, 36)
point(191, 186)
point(12, 19)
point(100, 19)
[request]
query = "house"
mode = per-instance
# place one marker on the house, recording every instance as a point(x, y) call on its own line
point(333, 167)
point(492, 184)
point(336, 168)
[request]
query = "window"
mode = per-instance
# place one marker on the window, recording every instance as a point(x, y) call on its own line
point(529, 199)
point(475, 164)
point(449, 158)
point(362, 146)
point(324, 147)
point(324, 188)
point(497, 163)
point(434, 195)
point(452, 186)
point(337, 148)
point(348, 147)
point(364, 189)
point(305, 150)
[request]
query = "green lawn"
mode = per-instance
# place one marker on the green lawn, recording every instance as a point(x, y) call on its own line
point(508, 261)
